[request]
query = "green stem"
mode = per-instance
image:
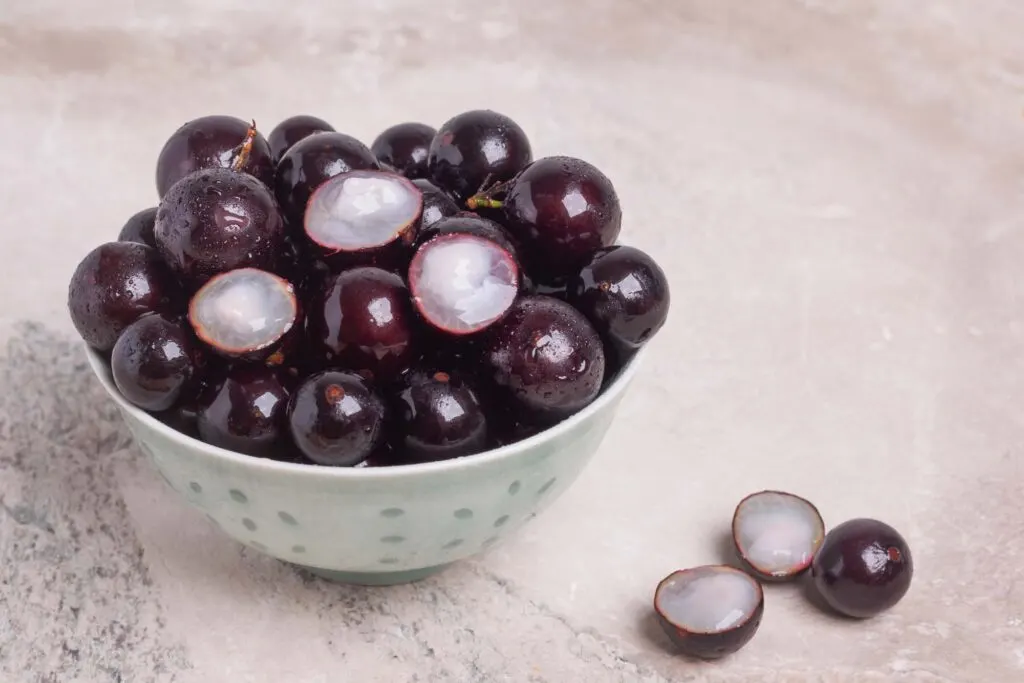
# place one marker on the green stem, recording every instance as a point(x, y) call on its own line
point(483, 202)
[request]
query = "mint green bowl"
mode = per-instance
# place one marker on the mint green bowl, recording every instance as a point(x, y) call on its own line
point(374, 526)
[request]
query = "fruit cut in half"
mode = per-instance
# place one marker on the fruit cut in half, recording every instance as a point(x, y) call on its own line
point(463, 283)
point(244, 313)
point(709, 611)
point(363, 212)
point(777, 534)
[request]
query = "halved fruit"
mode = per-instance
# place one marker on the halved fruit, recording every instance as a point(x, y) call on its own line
point(777, 534)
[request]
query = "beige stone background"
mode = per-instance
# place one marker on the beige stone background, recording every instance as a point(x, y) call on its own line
point(835, 189)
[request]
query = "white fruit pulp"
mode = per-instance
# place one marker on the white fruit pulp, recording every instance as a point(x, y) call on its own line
point(244, 309)
point(706, 600)
point(361, 211)
point(777, 533)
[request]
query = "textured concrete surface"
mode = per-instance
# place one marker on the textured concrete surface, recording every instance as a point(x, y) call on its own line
point(835, 189)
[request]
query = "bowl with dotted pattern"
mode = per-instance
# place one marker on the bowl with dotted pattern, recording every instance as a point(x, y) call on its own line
point(374, 526)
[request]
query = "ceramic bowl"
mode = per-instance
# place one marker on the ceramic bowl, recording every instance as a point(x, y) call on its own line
point(374, 526)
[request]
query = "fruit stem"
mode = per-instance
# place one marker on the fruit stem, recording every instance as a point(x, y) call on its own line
point(243, 154)
point(482, 202)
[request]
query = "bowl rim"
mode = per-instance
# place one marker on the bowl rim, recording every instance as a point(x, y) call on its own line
point(609, 394)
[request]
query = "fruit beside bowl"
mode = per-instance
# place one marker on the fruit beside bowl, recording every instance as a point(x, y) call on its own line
point(369, 361)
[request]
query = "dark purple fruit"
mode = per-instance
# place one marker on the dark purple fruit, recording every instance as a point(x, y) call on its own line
point(625, 294)
point(863, 568)
point(153, 362)
point(218, 220)
point(311, 161)
point(362, 320)
point(776, 534)
point(438, 416)
point(466, 223)
point(336, 418)
point(364, 216)
point(547, 356)
point(404, 147)
point(437, 204)
point(462, 283)
point(475, 150)
point(245, 313)
point(561, 210)
point(115, 285)
point(557, 288)
point(293, 129)
point(139, 228)
point(711, 611)
point(213, 142)
point(246, 412)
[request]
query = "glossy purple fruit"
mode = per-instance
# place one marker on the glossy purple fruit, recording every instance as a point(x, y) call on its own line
point(437, 204)
point(153, 361)
point(116, 284)
point(863, 568)
point(212, 142)
point(438, 416)
point(362, 320)
point(404, 147)
point(710, 611)
point(139, 228)
point(561, 210)
point(546, 356)
point(311, 161)
point(476, 149)
point(218, 220)
point(625, 294)
point(293, 129)
point(336, 418)
point(466, 223)
point(364, 217)
point(246, 412)
point(463, 283)
point(245, 313)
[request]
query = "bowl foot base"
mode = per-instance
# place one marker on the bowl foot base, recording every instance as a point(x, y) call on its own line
point(375, 578)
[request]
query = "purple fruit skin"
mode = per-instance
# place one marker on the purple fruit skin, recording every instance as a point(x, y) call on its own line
point(546, 356)
point(465, 223)
point(311, 161)
point(218, 220)
point(336, 418)
point(437, 204)
point(246, 412)
point(474, 148)
point(362, 320)
point(116, 284)
point(293, 129)
point(404, 147)
point(211, 142)
point(863, 568)
point(624, 294)
point(561, 210)
point(139, 228)
point(437, 415)
point(153, 362)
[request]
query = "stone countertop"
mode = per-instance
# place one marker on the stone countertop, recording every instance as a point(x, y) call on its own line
point(835, 191)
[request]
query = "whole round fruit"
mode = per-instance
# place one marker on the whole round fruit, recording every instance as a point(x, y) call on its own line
point(293, 129)
point(213, 142)
point(863, 568)
point(625, 294)
point(218, 220)
point(246, 412)
point(438, 416)
point(139, 228)
point(404, 147)
point(116, 284)
point(311, 161)
point(336, 418)
point(153, 361)
point(437, 204)
point(362, 320)
point(561, 210)
point(546, 356)
point(477, 149)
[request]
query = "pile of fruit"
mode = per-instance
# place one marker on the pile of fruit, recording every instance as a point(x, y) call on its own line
point(302, 296)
